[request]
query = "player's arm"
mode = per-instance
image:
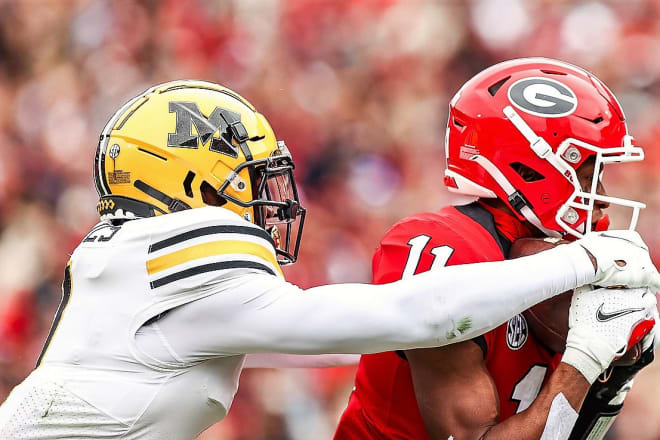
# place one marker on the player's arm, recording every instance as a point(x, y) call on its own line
point(265, 314)
point(592, 345)
point(457, 396)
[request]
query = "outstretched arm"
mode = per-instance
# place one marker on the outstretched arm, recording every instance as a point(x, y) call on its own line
point(258, 313)
point(261, 313)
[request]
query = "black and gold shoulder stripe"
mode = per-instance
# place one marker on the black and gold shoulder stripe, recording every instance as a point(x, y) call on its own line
point(210, 230)
point(211, 267)
point(236, 251)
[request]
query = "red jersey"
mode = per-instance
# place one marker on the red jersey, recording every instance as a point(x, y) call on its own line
point(383, 403)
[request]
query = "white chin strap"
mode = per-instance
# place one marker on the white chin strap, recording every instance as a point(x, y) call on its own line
point(514, 196)
point(540, 146)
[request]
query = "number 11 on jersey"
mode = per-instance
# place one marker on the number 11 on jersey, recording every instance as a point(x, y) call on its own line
point(441, 255)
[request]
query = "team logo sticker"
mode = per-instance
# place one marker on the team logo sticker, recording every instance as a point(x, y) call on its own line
point(220, 127)
point(516, 332)
point(543, 97)
point(117, 177)
point(114, 151)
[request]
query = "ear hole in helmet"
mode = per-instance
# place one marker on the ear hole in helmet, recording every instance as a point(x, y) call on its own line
point(495, 87)
point(187, 183)
point(527, 173)
point(210, 195)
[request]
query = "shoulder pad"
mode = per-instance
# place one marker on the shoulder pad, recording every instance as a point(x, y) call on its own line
point(205, 241)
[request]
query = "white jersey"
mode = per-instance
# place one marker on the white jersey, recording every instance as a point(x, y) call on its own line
point(158, 314)
point(92, 380)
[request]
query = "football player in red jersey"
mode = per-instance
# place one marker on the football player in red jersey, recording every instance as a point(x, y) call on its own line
point(529, 138)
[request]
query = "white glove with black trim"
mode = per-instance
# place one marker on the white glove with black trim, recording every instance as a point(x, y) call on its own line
point(603, 324)
point(606, 396)
point(651, 339)
point(622, 258)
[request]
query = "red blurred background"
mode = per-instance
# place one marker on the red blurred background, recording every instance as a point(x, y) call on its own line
point(357, 88)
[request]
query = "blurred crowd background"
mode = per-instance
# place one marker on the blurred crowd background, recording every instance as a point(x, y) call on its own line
point(357, 88)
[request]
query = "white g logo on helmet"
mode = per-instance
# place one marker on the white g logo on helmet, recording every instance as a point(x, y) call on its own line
point(543, 97)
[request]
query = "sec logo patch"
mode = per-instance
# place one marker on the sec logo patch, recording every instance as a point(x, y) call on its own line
point(516, 332)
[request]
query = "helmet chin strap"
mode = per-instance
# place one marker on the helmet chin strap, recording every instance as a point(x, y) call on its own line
point(515, 198)
point(544, 151)
point(539, 145)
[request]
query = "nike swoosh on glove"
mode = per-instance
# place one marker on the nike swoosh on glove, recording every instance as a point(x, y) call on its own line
point(622, 258)
point(603, 324)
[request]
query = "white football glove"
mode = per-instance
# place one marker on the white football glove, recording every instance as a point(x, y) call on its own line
point(603, 323)
point(627, 248)
point(650, 340)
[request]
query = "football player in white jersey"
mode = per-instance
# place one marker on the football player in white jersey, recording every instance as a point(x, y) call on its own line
point(163, 299)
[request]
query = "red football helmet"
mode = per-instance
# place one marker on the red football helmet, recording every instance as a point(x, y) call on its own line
point(519, 130)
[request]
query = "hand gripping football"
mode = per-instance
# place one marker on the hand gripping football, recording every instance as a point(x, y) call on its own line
point(548, 320)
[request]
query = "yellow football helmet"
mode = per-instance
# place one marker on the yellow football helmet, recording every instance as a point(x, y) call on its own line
point(165, 149)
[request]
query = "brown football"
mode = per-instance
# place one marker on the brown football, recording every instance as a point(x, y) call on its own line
point(548, 320)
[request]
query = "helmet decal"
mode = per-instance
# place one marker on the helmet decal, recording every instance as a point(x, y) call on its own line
point(114, 151)
point(543, 97)
point(189, 115)
point(117, 176)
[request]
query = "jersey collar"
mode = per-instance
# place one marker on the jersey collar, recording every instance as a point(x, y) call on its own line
point(507, 224)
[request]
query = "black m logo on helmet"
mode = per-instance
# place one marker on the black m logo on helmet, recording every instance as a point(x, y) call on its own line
point(543, 97)
point(221, 127)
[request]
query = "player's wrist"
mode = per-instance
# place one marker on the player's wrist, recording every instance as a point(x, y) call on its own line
point(591, 256)
point(583, 362)
point(583, 262)
point(587, 353)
